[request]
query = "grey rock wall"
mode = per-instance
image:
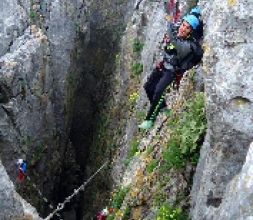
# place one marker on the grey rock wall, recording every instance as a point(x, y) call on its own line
point(229, 95)
point(147, 24)
point(23, 82)
point(13, 22)
point(37, 39)
point(238, 198)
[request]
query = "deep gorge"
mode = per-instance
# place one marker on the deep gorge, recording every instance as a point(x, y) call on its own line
point(71, 97)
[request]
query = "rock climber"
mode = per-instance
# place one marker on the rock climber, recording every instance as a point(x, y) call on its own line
point(102, 215)
point(22, 166)
point(179, 50)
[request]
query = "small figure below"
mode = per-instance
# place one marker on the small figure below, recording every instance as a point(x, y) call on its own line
point(102, 215)
point(22, 166)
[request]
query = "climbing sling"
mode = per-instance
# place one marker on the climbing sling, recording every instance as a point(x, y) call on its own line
point(172, 9)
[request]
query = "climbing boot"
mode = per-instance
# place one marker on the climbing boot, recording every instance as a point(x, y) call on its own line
point(147, 124)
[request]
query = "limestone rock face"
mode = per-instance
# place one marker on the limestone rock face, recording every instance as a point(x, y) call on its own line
point(35, 47)
point(238, 199)
point(37, 39)
point(229, 103)
point(13, 22)
point(148, 25)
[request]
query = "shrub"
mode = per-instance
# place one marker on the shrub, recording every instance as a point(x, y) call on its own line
point(137, 69)
point(32, 15)
point(152, 165)
point(169, 213)
point(187, 131)
point(137, 46)
point(118, 197)
point(126, 214)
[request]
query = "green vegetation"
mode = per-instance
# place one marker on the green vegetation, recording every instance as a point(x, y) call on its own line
point(137, 69)
point(133, 98)
point(187, 132)
point(116, 202)
point(132, 150)
point(32, 15)
point(152, 165)
point(118, 197)
point(169, 213)
point(110, 217)
point(140, 115)
point(127, 213)
point(137, 46)
point(149, 150)
point(160, 197)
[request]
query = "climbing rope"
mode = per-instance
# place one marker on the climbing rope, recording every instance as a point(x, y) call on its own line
point(43, 197)
point(61, 206)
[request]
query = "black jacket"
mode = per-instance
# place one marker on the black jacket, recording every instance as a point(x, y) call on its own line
point(178, 49)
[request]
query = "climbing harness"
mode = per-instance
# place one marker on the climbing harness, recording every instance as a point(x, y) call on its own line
point(178, 76)
point(176, 82)
point(61, 206)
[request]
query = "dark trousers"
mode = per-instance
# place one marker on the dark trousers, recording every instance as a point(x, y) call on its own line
point(155, 87)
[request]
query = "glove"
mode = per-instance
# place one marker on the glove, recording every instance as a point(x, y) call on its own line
point(159, 66)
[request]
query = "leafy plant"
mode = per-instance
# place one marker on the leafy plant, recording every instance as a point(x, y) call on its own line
point(149, 150)
point(110, 217)
point(137, 69)
point(32, 15)
point(172, 157)
point(137, 46)
point(169, 213)
point(118, 197)
point(152, 165)
point(140, 114)
point(187, 131)
point(127, 213)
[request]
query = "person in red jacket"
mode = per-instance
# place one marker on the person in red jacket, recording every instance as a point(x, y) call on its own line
point(21, 170)
point(102, 215)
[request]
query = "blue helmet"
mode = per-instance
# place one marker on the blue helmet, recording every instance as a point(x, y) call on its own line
point(191, 20)
point(195, 10)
